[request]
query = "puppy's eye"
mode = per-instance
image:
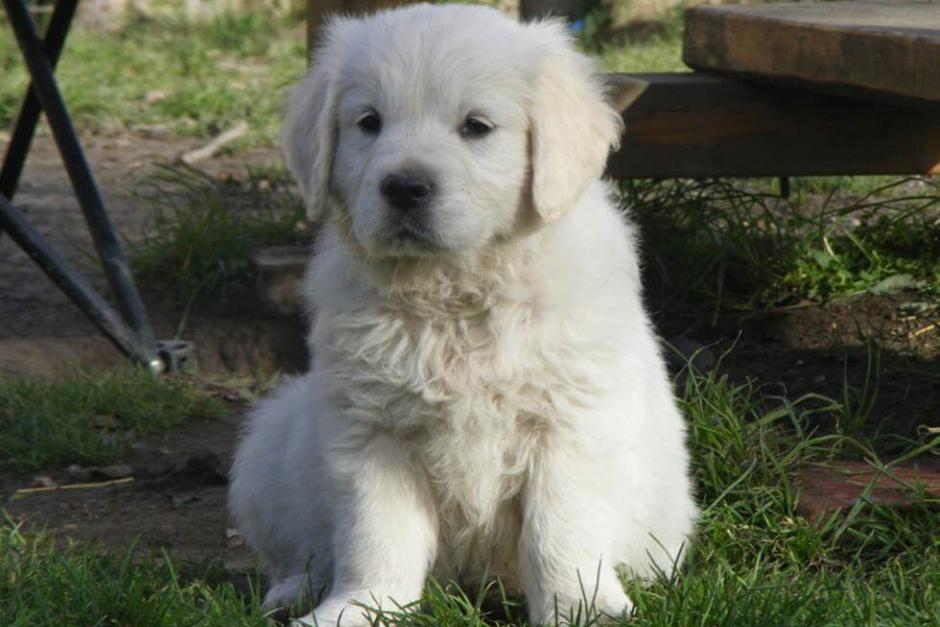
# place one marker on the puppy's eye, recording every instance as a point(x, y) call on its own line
point(475, 126)
point(370, 122)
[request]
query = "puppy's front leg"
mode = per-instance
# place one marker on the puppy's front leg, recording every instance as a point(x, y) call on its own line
point(568, 534)
point(385, 534)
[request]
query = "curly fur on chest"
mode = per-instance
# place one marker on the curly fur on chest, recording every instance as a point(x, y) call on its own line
point(473, 392)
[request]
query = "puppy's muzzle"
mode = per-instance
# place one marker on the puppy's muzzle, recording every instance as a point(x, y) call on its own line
point(407, 191)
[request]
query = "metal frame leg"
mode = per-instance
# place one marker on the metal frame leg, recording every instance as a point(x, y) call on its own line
point(46, 92)
point(76, 287)
point(28, 117)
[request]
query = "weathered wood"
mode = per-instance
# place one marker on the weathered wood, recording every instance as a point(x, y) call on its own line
point(886, 48)
point(318, 10)
point(825, 490)
point(693, 125)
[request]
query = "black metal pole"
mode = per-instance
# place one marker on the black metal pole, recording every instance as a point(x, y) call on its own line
point(76, 287)
point(109, 249)
point(26, 121)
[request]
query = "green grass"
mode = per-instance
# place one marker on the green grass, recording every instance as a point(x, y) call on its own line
point(90, 418)
point(739, 245)
point(201, 77)
point(78, 586)
point(653, 48)
point(206, 231)
point(754, 561)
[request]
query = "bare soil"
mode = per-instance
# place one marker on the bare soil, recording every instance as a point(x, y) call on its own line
point(828, 349)
point(175, 502)
point(42, 332)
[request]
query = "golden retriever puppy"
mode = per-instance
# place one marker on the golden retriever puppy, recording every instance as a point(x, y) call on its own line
point(486, 396)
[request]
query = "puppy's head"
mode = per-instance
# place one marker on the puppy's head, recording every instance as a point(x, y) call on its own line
point(439, 129)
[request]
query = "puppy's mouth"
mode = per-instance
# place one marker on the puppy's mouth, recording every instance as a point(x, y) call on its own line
point(418, 236)
point(408, 238)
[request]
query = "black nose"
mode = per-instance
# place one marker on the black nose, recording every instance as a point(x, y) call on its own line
point(407, 191)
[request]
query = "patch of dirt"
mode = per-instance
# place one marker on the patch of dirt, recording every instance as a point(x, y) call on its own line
point(176, 501)
point(32, 306)
point(42, 332)
point(258, 346)
point(822, 349)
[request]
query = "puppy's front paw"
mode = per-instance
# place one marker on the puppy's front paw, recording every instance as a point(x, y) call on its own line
point(616, 613)
point(335, 613)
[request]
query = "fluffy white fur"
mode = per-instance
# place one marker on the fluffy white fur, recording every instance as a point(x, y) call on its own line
point(486, 396)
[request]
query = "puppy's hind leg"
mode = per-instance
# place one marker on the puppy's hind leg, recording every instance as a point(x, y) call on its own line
point(276, 497)
point(287, 591)
point(300, 589)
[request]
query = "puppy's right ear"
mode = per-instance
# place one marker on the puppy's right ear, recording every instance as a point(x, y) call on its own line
point(573, 125)
point(309, 133)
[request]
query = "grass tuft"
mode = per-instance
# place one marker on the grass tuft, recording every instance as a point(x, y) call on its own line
point(45, 585)
point(206, 231)
point(196, 78)
point(739, 245)
point(90, 418)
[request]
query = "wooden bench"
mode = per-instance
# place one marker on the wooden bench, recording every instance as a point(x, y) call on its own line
point(698, 125)
point(827, 88)
point(884, 50)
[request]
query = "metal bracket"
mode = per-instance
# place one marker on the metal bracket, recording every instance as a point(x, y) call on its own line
point(174, 356)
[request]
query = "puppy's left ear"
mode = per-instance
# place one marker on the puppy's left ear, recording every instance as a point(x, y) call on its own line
point(309, 133)
point(573, 125)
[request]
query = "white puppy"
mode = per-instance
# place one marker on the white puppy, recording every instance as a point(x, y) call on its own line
point(486, 396)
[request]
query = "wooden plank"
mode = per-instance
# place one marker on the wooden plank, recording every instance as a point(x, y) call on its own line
point(887, 48)
point(841, 485)
point(694, 125)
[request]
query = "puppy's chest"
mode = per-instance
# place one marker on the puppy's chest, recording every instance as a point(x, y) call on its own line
point(488, 372)
point(471, 396)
